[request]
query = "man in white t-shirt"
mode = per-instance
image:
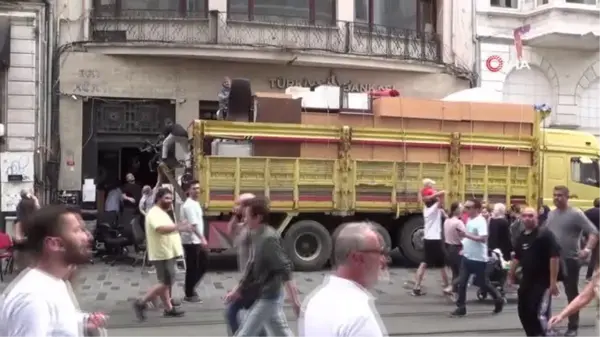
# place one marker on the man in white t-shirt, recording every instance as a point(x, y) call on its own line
point(432, 245)
point(475, 258)
point(342, 305)
point(39, 302)
point(194, 242)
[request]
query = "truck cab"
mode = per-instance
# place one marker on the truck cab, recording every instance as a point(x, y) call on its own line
point(571, 159)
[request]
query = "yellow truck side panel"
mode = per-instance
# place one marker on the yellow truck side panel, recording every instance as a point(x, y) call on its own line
point(313, 185)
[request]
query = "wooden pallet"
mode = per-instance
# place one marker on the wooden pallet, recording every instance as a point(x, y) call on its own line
point(171, 178)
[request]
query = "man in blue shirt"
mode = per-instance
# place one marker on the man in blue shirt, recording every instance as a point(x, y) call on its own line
point(475, 258)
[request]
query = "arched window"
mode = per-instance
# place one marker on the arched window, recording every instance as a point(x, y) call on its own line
point(317, 12)
point(589, 106)
point(527, 86)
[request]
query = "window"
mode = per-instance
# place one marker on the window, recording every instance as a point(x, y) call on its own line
point(504, 3)
point(415, 15)
point(583, 2)
point(542, 2)
point(585, 171)
point(151, 8)
point(589, 106)
point(319, 12)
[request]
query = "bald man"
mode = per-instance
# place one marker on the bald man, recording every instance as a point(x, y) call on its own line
point(538, 253)
point(342, 302)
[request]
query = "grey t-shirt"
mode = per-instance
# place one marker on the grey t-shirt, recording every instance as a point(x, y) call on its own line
point(568, 226)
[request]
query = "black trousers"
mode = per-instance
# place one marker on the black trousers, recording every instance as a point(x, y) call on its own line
point(534, 308)
point(196, 262)
point(479, 269)
point(571, 283)
point(453, 261)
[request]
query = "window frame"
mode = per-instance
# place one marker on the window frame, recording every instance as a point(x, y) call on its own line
point(420, 15)
point(311, 12)
point(504, 6)
point(576, 176)
point(182, 9)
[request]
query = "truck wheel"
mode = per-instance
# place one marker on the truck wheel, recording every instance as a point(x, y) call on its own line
point(308, 245)
point(410, 239)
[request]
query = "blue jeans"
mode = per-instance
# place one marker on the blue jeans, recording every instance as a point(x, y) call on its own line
point(266, 314)
point(232, 315)
point(479, 269)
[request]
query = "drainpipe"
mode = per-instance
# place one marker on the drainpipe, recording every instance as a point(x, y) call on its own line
point(476, 82)
point(49, 94)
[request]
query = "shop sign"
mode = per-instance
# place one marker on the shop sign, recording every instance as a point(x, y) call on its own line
point(282, 83)
point(495, 63)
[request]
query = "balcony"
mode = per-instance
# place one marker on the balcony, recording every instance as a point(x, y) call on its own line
point(571, 24)
point(216, 36)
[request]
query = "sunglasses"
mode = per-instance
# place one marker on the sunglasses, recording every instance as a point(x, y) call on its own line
point(527, 215)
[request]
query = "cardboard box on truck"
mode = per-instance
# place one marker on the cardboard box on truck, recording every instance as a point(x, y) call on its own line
point(430, 116)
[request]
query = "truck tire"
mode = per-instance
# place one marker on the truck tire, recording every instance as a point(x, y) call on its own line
point(410, 239)
point(308, 245)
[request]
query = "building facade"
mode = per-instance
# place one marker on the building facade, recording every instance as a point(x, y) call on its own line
point(23, 80)
point(559, 63)
point(128, 66)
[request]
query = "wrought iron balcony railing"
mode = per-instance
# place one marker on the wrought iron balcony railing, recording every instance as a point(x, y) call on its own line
point(343, 38)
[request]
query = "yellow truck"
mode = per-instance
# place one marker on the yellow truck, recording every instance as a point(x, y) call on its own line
point(345, 167)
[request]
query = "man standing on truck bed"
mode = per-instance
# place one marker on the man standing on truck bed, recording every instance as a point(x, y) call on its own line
point(568, 224)
point(432, 241)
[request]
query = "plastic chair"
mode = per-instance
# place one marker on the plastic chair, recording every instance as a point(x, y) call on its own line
point(6, 254)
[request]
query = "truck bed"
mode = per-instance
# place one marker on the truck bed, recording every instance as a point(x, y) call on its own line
point(316, 185)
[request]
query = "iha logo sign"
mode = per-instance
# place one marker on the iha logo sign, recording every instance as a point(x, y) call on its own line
point(495, 63)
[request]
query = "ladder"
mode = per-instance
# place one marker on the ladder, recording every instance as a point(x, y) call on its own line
point(170, 175)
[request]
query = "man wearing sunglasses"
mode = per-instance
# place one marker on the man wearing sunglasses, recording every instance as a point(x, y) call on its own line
point(568, 224)
point(342, 303)
point(475, 258)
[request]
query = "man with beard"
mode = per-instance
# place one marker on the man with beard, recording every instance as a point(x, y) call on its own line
point(342, 304)
point(164, 247)
point(38, 302)
point(538, 254)
point(568, 224)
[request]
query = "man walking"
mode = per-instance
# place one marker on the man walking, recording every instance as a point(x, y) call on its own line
point(342, 305)
point(593, 214)
point(268, 270)
point(432, 242)
point(194, 242)
point(38, 302)
point(475, 257)
point(240, 236)
point(538, 253)
point(164, 247)
point(568, 225)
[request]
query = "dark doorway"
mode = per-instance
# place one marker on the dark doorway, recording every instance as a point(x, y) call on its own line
point(136, 162)
point(108, 167)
